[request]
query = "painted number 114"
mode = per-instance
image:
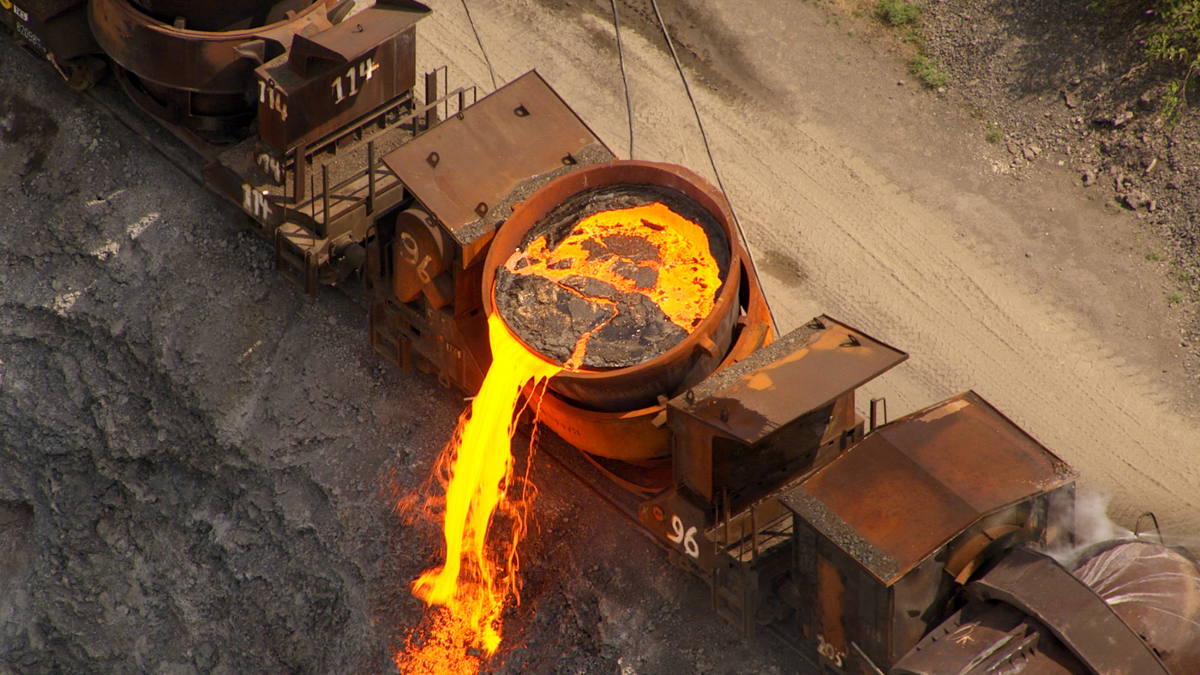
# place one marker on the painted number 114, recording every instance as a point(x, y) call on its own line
point(348, 84)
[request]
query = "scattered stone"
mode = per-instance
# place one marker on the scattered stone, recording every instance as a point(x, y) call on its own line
point(205, 657)
point(1089, 176)
point(1119, 182)
point(1070, 99)
point(1117, 120)
point(1029, 154)
point(1136, 199)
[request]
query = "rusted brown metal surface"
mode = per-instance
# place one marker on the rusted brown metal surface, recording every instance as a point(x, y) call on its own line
point(763, 420)
point(690, 360)
point(201, 80)
point(421, 257)
point(915, 484)
point(475, 156)
point(1039, 586)
point(320, 203)
point(1128, 606)
point(58, 31)
point(328, 79)
point(470, 170)
point(987, 639)
point(956, 483)
point(805, 371)
point(1155, 589)
point(769, 419)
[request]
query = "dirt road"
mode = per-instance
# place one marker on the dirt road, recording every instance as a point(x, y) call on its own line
point(196, 462)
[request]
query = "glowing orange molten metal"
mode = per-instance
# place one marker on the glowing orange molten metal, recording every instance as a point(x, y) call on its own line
point(472, 588)
point(687, 276)
point(474, 584)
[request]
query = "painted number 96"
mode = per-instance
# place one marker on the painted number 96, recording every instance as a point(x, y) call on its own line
point(688, 538)
point(410, 254)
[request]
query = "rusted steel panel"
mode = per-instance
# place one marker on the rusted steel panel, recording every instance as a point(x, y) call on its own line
point(628, 436)
point(199, 80)
point(804, 371)
point(55, 27)
point(469, 170)
point(831, 604)
point(331, 78)
point(257, 202)
point(190, 60)
point(909, 488)
point(682, 524)
point(777, 414)
point(1038, 585)
point(1155, 589)
point(986, 639)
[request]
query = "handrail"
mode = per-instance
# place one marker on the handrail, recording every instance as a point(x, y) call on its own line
point(331, 192)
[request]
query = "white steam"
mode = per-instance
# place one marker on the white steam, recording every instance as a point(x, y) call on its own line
point(1092, 524)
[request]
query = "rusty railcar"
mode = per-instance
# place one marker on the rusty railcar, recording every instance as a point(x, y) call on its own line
point(912, 546)
point(887, 533)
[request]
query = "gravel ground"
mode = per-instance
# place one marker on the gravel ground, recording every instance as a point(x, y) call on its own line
point(1070, 82)
point(200, 447)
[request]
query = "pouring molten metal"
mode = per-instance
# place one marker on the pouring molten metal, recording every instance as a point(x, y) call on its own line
point(474, 585)
point(647, 250)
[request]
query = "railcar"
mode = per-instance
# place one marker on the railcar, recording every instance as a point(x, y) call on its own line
point(915, 547)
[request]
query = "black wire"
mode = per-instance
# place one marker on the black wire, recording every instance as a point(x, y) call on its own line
point(481, 49)
point(624, 80)
point(695, 110)
point(704, 135)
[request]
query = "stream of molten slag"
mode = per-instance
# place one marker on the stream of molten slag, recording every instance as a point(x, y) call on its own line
point(470, 590)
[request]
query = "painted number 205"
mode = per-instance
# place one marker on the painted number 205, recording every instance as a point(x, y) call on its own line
point(688, 538)
point(347, 85)
point(830, 652)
